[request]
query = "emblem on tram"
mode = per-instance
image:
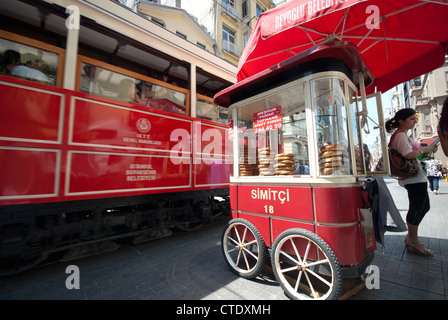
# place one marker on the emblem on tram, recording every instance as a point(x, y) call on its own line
point(143, 125)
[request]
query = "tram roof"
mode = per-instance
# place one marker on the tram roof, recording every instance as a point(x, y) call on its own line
point(323, 57)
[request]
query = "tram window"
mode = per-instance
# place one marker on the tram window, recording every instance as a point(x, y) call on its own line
point(110, 84)
point(272, 133)
point(209, 111)
point(23, 61)
point(161, 98)
point(331, 126)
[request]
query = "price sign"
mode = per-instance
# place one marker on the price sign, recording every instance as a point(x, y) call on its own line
point(269, 119)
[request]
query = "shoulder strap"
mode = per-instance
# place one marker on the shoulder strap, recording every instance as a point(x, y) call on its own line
point(391, 139)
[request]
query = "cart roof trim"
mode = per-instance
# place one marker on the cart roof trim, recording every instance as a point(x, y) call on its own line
point(303, 64)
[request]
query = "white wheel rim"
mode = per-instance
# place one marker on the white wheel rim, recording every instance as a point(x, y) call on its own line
point(304, 284)
point(239, 252)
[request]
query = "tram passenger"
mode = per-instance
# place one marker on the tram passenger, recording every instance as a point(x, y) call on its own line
point(147, 91)
point(11, 66)
point(416, 186)
point(442, 128)
point(144, 94)
point(126, 90)
point(30, 73)
point(89, 83)
point(10, 60)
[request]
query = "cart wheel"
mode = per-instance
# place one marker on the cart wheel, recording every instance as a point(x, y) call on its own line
point(243, 248)
point(305, 266)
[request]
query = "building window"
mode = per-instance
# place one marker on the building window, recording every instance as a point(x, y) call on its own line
point(426, 122)
point(228, 7)
point(181, 35)
point(259, 10)
point(159, 22)
point(246, 38)
point(229, 41)
point(417, 82)
point(200, 45)
point(228, 35)
point(229, 2)
point(245, 9)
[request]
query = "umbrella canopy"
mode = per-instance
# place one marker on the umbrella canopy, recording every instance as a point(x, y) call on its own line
point(398, 40)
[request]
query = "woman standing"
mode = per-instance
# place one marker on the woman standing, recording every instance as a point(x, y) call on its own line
point(416, 186)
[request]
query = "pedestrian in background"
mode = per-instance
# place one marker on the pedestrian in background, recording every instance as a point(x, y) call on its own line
point(433, 173)
point(416, 186)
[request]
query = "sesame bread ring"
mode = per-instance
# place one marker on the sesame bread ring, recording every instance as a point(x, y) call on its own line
point(335, 147)
point(288, 165)
point(283, 158)
point(332, 170)
point(330, 159)
point(284, 154)
point(290, 162)
point(331, 154)
point(333, 164)
point(283, 172)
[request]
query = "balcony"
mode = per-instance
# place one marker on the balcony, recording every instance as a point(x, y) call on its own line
point(421, 102)
point(230, 47)
point(230, 10)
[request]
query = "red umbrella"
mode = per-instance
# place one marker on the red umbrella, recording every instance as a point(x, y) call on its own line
point(397, 39)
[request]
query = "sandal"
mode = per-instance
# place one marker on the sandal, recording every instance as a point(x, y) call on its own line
point(406, 242)
point(411, 248)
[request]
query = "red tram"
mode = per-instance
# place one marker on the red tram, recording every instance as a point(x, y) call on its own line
point(297, 187)
point(84, 169)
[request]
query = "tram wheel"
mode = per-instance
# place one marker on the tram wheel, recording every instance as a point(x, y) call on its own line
point(305, 266)
point(243, 248)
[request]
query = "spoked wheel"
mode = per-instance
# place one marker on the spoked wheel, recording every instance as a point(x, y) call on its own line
point(305, 266)
point(244, 249)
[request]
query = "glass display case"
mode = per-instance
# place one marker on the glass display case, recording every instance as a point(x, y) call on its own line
point(312, 127)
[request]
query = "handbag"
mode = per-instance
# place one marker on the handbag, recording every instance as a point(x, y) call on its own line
point(400, 166)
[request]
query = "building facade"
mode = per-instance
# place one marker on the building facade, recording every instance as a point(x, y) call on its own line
point(228, 23)
point(426, 95)
point(180, 22)
point(428, 92)
point(235, 20)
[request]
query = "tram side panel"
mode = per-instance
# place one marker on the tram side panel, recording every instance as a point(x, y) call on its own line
point(59, 145)
point(121, 150)
point(211, 155)
point(31, 134)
